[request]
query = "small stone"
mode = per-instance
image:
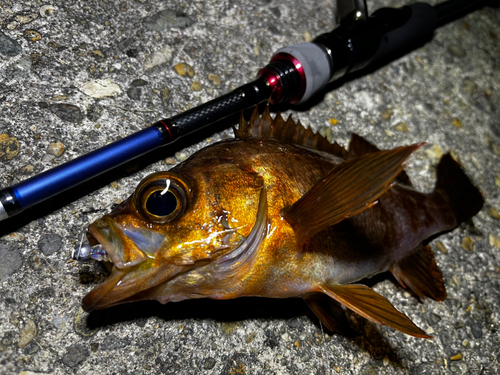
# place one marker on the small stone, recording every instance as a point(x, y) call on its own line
point(24, 19)
point(98, 55)
point(28, 334)
point(196, 86)
point(493, 212)
point(434, 152)
point(368, 370)
point(467, 244)
point(101, 88)
point(307, 37)
point(134, 93)
point(159, 57)
point(59, 97)
point(470, 87)
point(333, 121)
point(66, 112)
point(113, 342)
point(215, 79)
point(209, 363)
point(75, 354)
point(456, 357)
point(441, 247)
point(385, 360)
point(457, 123)
point(47, 10)
point(184, 69)
point(167, 19)
point(494, 240)
point(165, 95)
point(32, 35)
point(387, 114)
point(138, 82)
point(497, 180)
point(456, 50)
point(433, 319)
point(56, 148)
point(80, 324)
point(8, 46)
point(9, 147)
point(170, 161)
point(250, 337)
point(11, 259)
point(50, 243)
point(402, 127)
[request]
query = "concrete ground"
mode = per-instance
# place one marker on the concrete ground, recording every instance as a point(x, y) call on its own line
point(76, 75)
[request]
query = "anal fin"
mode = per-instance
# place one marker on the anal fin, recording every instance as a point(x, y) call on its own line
point(420, 273)
point(372, 306)
point(329, 312)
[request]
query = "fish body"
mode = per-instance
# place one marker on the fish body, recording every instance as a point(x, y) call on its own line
point(278, 212)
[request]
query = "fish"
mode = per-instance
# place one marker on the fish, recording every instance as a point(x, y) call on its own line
point(280, 212)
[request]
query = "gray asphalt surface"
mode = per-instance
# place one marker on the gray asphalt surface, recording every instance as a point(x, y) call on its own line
point(76, 75)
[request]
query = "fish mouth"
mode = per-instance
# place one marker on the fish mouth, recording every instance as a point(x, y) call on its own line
point(128, 249)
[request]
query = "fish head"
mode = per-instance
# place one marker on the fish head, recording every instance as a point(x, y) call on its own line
point(172, 224)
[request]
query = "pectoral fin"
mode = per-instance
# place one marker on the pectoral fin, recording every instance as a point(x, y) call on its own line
point(372, 306)
point(329, 312)
point(349, 189)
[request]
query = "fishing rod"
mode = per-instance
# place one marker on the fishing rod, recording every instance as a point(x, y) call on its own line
point(294, 75)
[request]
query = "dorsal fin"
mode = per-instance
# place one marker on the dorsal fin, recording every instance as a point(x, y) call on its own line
point(265, 127)
point(360, 146)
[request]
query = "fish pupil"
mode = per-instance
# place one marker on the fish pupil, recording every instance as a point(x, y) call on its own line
point(161, 205)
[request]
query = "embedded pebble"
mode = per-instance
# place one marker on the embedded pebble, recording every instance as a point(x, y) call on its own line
point(196, 86)
point(28, 334)
point(470, 87)
point(167, 19)
point(47, 10)
point(32, 35)
point(138, 82)
point(368, 370)
point(159, 57)
point(9, 147)
point(66, 112)
point(441, 247)
point(11, 259)
point(50, 243)
point(457, 123)
point(165, 95)
point(8, 46)
point(456, 50)
point(493, 212)
point(497, 181)
point(209, 363)
point(402, 127)
point(134, 93)
point(75, 354)
point(456, 357)
point(215, 79)
point(387, 114)
point(467, 244)
point(101, 88)
point(184, 69)
point(434, 152)
point(333, 121)
point(56, 148)
point(494, 240)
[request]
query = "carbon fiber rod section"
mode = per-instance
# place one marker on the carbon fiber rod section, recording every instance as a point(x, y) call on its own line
point(196, 118)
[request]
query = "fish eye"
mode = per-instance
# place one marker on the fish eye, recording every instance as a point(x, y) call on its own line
point(163, 199)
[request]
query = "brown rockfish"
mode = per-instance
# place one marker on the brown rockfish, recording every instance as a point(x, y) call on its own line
point(280, 212)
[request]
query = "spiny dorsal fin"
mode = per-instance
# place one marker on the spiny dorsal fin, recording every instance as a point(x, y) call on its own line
point(360, 146)
point(350, 188)
point(265, 127)
point(419, 272)
point(372, 306)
